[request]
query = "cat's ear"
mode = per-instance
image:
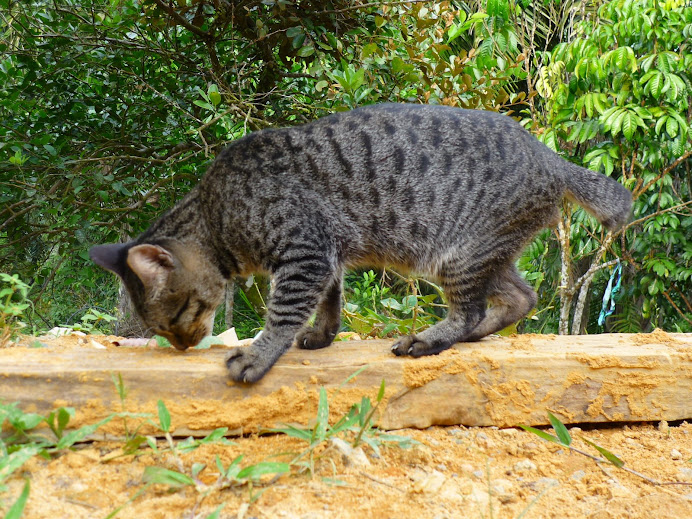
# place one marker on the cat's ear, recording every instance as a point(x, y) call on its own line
point(110, 256)
point(151, 263)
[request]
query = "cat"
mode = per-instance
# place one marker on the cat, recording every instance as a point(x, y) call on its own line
point(445, 191)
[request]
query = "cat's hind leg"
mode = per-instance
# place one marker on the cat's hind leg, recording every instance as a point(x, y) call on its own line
point(511, 299)
point(465, 286)
point(297, 285)
point(327, 320)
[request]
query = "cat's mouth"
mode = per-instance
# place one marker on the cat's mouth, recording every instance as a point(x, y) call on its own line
point(179, 342)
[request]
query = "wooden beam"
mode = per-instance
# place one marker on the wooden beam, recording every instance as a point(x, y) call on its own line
point(498, 381)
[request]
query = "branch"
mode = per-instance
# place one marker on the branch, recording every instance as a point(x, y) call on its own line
point(585, 281)
point(663, 173)
point(182, 21)
point(371, 4)
point(649, 216)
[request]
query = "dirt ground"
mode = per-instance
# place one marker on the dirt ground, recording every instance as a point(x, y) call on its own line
point(452, 472)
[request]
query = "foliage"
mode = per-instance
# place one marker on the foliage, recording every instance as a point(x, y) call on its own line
point(92, 321)
point(381, 308)
point(619, 94)
point(110, 111)
point(13, 305)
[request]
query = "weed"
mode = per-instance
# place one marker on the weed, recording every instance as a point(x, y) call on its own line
point(13, 304)
point(92, 322)
point(21, 442)
point(563, 437)
point(356, 424)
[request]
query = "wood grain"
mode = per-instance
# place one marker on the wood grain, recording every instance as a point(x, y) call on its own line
point(498, 381)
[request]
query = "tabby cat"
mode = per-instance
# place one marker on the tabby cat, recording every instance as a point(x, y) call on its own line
point(449, 192)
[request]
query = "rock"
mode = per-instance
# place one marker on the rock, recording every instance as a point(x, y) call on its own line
point(675, 454)
point(663, 427)
point(578, 475)
point(506, 499)
point(465, 487)
point(617, 490)
point(686, 473)
point(429, 483)
point(524, 465)
point(500, 486)
point(546, 482)
point(352, 457)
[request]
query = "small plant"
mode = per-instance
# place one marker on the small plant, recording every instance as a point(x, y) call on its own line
point(20, 442)
point(93, 322)
point(564, 439)
point(13, 304)
point(356, 424)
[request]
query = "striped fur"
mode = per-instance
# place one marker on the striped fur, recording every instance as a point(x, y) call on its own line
point(452, 193)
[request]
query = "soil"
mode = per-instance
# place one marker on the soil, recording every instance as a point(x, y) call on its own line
point(452, 472)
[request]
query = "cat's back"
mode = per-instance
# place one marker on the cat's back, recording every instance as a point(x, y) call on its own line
point(386, 142)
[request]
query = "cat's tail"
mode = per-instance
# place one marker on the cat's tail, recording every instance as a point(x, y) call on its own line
point(603, 197)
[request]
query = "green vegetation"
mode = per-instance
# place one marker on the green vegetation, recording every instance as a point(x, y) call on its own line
point(110, 111)
point(564, 438)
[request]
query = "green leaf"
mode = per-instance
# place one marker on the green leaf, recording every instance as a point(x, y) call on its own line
point(292, 32)
point(17, 509)
point(64, 415)
point(262, 468)
point(560, 429)
point(380, 394)
point(207, 342)
point(26, 421)
point(197, 468)
point(164, 416)
point(672, 127)
point(306, 51)
point(322, 420)
point(294, 432)
point(215, 98)
point(80, 434)
point(215, 514)
point(166, 477)
point(231, 473)
point(612, 458)
point(14, 460)
point(541, 434)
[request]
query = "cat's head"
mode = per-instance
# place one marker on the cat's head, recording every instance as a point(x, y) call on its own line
point(173, 288)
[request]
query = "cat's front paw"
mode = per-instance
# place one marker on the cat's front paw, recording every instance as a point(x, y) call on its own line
point(411, 345)
point(246, 365)
point(314, 339)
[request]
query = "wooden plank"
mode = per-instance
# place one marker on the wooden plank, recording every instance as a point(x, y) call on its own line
point(498, 381)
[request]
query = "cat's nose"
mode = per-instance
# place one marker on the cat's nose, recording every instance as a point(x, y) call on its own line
point(182, 342)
